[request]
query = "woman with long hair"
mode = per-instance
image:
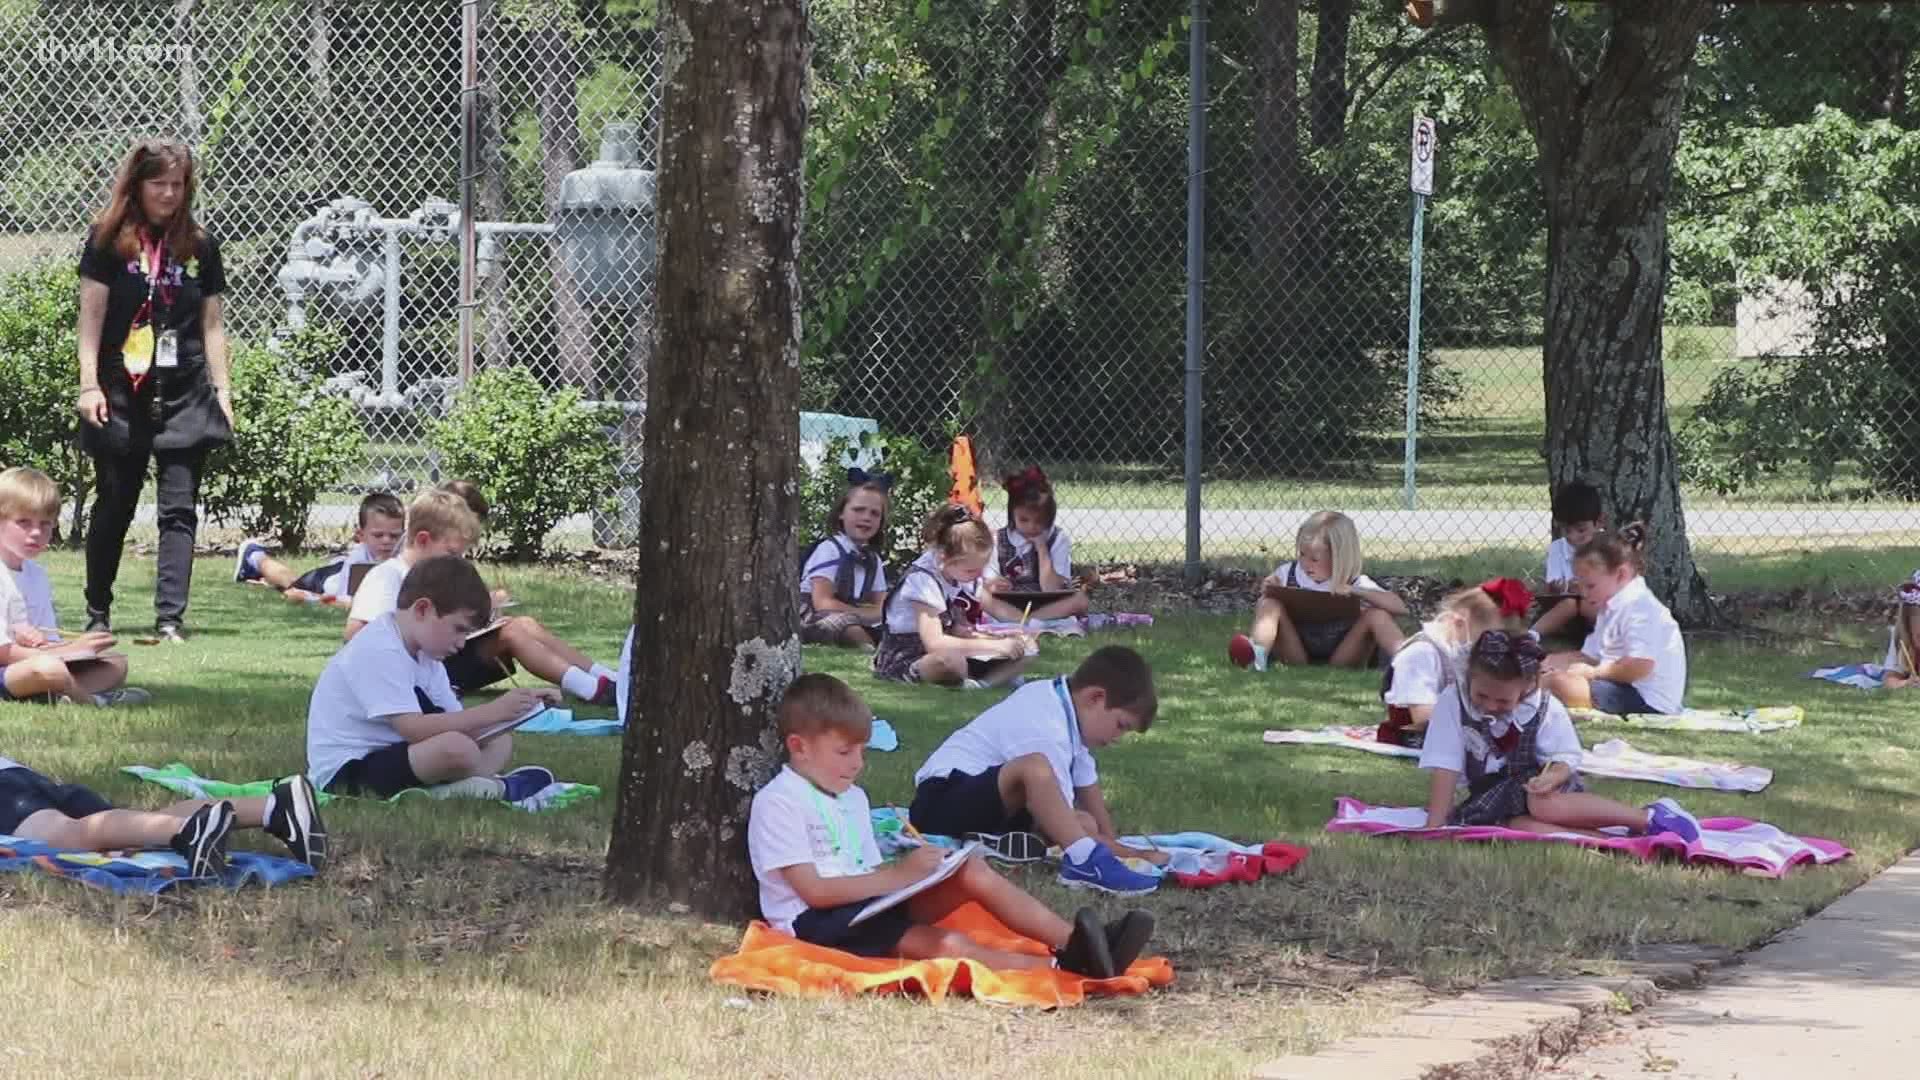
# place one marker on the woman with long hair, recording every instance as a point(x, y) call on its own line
point(153, 371)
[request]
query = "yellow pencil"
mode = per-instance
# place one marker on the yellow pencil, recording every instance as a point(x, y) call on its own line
point(907, 827)
point(1026, 614)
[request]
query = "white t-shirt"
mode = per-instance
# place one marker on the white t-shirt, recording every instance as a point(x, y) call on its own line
point(1560, 560)
point(1449, 742)
point(13, 606)
point(824, 562)
point(792, 822)
point(1060, 552)
point(1306, 582)
point(336, 584)
point(380, 590)
point(371, 679)
point(37, 590)
point(932, 589)
point(1636, 624)
point(1038, 718)
point(1422, 669)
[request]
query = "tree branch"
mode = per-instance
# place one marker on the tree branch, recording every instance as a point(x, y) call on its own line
point(1398, 56)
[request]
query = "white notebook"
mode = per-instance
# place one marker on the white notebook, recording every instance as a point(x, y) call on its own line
point(940, 873)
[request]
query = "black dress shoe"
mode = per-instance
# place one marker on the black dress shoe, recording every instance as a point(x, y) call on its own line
point(98, 623)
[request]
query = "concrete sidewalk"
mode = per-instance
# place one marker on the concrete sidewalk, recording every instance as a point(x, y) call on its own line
point(1837, 996)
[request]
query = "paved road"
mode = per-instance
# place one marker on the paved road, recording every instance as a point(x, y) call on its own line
point(1836, 997)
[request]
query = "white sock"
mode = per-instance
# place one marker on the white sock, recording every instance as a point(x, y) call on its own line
point(473, 787)
point(253, 559)
point(1259, 658)
point(603, 671)
point(1080, 850)
point(580, 684)
point(973, 684)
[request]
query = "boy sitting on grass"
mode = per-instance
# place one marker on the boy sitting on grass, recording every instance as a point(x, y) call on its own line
point(36, 807)
point(810, 835)
point(1027, 763)
point(375, 540)
point(36, 663)
point(383, 718)
point(441, 523)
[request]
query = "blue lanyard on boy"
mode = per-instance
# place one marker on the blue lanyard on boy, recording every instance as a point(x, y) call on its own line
point(1066, 706)
point(830, 814)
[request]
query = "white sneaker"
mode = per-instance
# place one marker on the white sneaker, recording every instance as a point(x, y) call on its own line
point(473, 787)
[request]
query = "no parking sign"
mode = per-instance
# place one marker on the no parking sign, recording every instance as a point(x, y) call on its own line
point(1425, 141)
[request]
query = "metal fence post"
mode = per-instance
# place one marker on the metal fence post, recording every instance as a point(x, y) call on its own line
point(1196, 271)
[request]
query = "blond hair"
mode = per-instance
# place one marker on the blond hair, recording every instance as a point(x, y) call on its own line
point(1477, 609)
point(440, 514)
point(1335, 530)
point(28, 491)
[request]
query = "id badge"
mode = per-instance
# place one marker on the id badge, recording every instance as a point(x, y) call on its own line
point(166, 349)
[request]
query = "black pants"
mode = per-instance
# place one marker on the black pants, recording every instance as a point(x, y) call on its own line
point(117, 497)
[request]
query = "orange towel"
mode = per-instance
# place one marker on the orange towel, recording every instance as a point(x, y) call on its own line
point(966, 481)
point(779, 963)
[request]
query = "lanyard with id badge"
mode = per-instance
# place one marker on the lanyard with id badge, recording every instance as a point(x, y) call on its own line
point(145, 348)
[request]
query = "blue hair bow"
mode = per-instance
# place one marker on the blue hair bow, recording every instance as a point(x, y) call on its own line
point(857, 476)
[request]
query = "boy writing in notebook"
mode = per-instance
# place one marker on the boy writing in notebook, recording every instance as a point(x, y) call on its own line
point(384, 719)
point(440, 522)
point(1027, 764)
point(36, 662)
point(382, 523)
point(810, 836)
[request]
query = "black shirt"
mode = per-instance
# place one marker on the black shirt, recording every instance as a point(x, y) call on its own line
point(185, 284)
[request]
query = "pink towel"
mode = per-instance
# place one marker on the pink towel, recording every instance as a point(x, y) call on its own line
point(1733, 842)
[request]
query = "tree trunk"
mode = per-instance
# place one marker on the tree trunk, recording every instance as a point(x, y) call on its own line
point(558, 88)
point(193, 119)
point(1328, 116)
point(717, 638)
point(1606, 147)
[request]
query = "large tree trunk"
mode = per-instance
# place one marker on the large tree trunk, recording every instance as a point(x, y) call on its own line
point(558, 87)
point(1328, 119)
point(1606, 145)
point(717, 642)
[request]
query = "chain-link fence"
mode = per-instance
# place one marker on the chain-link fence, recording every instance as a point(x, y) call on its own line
point(997, 241)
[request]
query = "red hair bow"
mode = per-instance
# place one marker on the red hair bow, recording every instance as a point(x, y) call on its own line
point(1511, 594)
point(1030, 480)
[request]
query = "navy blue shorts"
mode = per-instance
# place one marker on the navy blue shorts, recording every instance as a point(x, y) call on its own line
point(960, 803)
point(1618, 698)
point(24, 793)
point(384, 773)
point(315, 580)
point(468, 671)
point(833, 927)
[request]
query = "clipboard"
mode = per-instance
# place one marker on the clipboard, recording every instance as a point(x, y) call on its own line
point(356, 574)
point(947, 868)
point(1313, 606)
point(1036, 597)
point(505, 726)
point(488, 629)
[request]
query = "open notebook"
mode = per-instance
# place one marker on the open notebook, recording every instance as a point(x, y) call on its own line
point(505, 726)
point(947, 868)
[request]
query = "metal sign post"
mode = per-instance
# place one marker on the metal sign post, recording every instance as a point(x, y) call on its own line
point(1421, 181)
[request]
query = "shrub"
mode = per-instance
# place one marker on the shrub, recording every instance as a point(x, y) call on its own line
point(40, 378)
point(290, 441)
point(537, 455)
point(920, 483)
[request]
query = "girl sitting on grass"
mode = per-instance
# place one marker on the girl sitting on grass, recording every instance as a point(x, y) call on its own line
point(1513, 747)
point(1429, 664)
point(932, 619)
point(1328, 560)
point(1902, 637)
point(1635, 661)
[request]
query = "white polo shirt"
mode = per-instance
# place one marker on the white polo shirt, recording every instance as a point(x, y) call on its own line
point(1450, 743)
point(1635, 624)
point(793, 822)
point(370, 680)
point(1304, 581)
point(824, 562)
point(1560, 560)
point(1059, 552)
point(932, 589)
point(1038, 718)
point(1422, 669)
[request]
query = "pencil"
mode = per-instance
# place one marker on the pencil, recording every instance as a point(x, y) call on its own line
point(907, 827)
point(1026, 614)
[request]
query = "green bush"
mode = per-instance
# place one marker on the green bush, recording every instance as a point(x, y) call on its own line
point(40, 378)
point(537, 455)
point(920, 484)
point(290, 441)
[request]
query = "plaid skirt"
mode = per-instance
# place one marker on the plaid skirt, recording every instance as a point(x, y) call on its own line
point(830, 627)
point(1499, 799)
point(895, 657)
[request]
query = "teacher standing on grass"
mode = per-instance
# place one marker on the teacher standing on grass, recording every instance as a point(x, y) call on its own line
point(153, 371)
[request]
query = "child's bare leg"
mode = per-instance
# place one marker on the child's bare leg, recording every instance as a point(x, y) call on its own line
point(1007, 902)
point(1374, 628)
point(941, 670)
point(453, 755)
point(1583, 810)
point(249, 813)
point(41, 674)
point(1273, 630)
point(276, 573)
point(1063, 608)
point(858, 637)
point(1027, 783)
point(931, 942)
point(1524, 823)
point(1003, 672)
point(1556, 618)
point(99, 676)
point(538, 650)
point(103, 831)
point(1574, 691)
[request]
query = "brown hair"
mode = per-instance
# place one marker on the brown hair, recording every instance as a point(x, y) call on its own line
point(834, 524)
point(816, 703)
point(469, 493)
point(384, 503)
point(451, 584)
point(1126, 678)
point(956, 533)
point(1033, 491)
point(117, 224)
point(1616, 549)
point(28, 491)
point(1506, 656)
point(437, 513)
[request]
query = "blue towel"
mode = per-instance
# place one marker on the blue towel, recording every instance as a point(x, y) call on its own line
point(561, 722)
point(1858, 676)
point(142, 871)
point(884, 738)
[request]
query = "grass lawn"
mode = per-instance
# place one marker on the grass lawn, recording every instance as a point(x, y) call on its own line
point(450, 938)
